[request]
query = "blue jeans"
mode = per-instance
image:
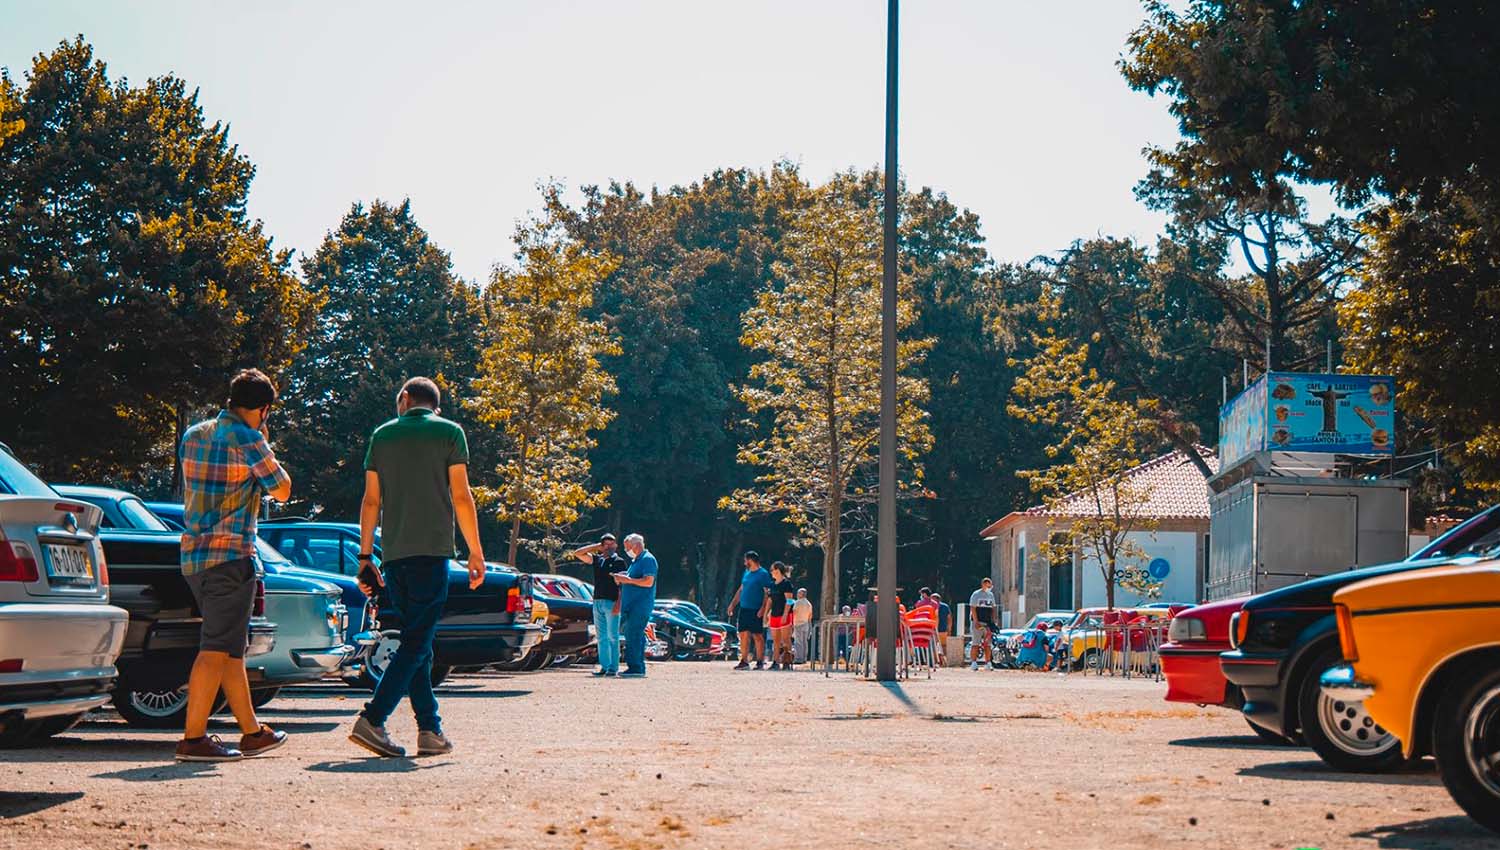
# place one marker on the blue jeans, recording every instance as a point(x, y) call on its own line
point(607, 629)
point(416, 587)
point(633, 626)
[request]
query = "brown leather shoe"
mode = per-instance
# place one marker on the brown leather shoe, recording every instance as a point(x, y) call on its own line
point(263, 741)
point(207, 748)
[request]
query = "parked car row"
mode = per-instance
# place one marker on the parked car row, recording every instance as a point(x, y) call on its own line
point(94, 609)
point(1420, 636)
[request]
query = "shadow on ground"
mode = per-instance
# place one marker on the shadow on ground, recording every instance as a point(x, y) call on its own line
point(163, 772)
point(375, 765)
point(1316, 771)
point(14, 804)
point(1431, 834)
point(1231, 742)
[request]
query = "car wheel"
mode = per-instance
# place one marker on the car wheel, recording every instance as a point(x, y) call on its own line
point(1268, 736)
point(154, 707)
point(1341, 732)
point(1466, 742)
point(536, 661)
point(379, 661)
point(264, 695)
point(1090, 660)
point(440, 673)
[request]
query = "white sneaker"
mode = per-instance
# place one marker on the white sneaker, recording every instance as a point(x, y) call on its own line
point(974, 665)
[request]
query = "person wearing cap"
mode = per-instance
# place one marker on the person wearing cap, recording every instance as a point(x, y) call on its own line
point(606, 561)
point(752, 603)
point(802, 617)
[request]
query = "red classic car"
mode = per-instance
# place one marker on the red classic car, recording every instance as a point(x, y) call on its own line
point(1190, 658)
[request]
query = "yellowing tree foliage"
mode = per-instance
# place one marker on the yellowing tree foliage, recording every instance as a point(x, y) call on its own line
point(1100, 440)
point(815, 397)
point(541, 385)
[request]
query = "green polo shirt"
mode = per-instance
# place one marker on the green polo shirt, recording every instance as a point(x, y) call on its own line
point(411, 454)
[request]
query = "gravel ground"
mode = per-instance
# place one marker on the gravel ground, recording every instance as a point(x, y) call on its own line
point(559, 759)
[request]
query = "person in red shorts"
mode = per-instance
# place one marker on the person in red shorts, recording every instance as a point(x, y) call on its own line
point(780, 621)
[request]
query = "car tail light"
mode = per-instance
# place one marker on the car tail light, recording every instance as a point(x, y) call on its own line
point(1186, 629)
point(513, 601)
point(11, 665)
point(1346, 633)
point(260, 599)
point(103, 567)
point(17, 562)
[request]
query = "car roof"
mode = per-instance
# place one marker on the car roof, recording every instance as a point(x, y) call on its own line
point(85, 491)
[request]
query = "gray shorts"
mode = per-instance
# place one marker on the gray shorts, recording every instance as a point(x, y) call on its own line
point(226, 597)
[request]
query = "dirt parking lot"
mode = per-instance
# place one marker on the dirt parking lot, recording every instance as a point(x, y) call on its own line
point(699, 756)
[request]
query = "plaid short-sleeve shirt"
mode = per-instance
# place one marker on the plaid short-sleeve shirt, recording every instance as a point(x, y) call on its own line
point(226, 466)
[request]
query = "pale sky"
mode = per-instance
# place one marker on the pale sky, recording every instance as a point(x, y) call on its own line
point(1014, 108)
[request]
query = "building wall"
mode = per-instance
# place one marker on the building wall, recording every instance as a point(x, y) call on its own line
point(1023, 594)
point(1182, 552)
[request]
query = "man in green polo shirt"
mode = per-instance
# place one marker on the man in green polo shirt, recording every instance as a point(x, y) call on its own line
point(416, 485)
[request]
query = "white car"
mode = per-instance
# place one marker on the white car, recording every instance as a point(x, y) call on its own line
point(59, 636)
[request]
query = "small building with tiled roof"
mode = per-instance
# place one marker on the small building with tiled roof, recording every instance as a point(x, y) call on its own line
point(1176, 552)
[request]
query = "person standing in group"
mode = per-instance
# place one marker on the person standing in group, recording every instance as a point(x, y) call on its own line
point(780, 621)
point(748, 608)
point(637, 597)
point(227, 464)
point(924, 597)
point(982, 607)
point(802, 617)
point(606, 562)
point(944, 627)
point(416, 487)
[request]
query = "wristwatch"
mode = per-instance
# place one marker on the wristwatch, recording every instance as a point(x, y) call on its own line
point(366, 556)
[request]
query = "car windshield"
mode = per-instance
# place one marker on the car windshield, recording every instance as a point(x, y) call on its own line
point(17, 480)
point(270, 554)
point(689, 613)
point(1479, 535)
point(137, 515)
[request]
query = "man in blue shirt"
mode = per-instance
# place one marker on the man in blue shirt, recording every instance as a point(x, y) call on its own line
point(637, 597)
point(752, 602)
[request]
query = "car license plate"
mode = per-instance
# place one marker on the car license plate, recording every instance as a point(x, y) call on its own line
point(70, 563)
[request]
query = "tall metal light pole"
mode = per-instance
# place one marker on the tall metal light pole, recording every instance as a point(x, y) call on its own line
point(885, 568)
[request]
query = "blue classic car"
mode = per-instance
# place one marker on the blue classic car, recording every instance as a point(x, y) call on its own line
point(309, 615)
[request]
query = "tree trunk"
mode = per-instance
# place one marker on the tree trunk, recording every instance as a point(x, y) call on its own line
point(829, 604)
point(1109, 585)
point(729, 563)
point(709, 582)
point(515, 538)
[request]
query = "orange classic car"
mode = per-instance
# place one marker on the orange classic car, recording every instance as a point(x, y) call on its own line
point(1423, 654)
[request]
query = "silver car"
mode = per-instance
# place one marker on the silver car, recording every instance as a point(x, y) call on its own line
point(59, 636)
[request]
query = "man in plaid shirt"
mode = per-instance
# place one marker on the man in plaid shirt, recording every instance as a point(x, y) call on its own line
point(226, 466)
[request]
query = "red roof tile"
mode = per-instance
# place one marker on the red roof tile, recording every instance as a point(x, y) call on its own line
point(1177, 491)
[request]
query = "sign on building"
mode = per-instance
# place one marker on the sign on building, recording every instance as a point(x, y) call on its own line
point(1300, 412)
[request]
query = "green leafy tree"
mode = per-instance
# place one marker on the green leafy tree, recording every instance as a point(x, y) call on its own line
point(132, 282)
point(394, 310)
point(1386, 97)
point(815, 395)
point(541, 386)
point(1099, 441)
point(1427, 311)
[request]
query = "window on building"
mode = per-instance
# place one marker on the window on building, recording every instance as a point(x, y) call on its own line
point(1021, 569)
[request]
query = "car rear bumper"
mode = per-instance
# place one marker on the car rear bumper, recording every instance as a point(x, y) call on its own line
point(470, 645)
point(1193, 674)
point(1259, 678)
point(325, 660)
point(60, 638)
point(67, 653)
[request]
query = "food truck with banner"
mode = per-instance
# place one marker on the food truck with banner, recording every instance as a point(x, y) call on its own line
point(1286, 505)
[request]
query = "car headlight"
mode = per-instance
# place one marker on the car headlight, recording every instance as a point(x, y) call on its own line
point(1185, 629)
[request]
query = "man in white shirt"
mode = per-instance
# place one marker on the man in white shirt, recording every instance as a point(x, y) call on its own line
point(802, 617)
point(982, 607)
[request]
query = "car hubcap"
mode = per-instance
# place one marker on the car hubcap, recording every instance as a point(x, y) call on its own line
point(1482, 740)
point(1352, 729)
point(381, 657)
point(158, 703)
